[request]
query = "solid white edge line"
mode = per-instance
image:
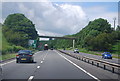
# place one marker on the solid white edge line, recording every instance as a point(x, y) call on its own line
point(7, 62)
point(79, 67)
point(31, 77)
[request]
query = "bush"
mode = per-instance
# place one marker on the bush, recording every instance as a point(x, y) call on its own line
point(11, 49)
point(17, 48)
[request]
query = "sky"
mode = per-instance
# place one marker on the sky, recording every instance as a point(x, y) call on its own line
point(61, 18)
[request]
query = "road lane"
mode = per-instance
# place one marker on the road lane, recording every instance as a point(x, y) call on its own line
point(15, 70)
point(98, 72)
point(78, 67)
point(50, 65)
point(113, 60)
point(56, 67)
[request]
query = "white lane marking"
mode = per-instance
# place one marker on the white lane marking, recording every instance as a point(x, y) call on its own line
point(7, 62)
point(79, 67)
point(38, 66)
point(31, 77)
point(38, 52)
point(45, 56)
point(41, 62)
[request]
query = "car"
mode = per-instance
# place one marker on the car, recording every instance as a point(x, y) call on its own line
point(24, 56)
point(76, 51)
point(107, 55)
point(51, 48)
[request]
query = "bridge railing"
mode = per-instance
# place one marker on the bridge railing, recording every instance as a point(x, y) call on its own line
point(115, 68)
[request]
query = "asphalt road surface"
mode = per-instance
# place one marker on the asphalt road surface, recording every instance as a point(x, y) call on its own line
point(52, 64)
point(113, 60)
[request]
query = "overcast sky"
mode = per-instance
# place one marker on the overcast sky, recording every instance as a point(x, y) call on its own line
point(61, 18)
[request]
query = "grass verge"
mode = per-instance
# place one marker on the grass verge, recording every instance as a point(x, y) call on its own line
point(8, 56)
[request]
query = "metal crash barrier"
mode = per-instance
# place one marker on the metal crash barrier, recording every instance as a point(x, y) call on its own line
point(115, 68)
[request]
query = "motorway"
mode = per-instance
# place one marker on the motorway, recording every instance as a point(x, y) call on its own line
point(52, 64)
point(113, 60)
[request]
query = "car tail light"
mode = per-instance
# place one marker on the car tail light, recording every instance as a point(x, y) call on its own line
point(17, 55)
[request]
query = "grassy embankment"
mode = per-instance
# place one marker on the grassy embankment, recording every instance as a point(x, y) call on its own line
point(5, 46)
point(8, 51)
point(0, 42)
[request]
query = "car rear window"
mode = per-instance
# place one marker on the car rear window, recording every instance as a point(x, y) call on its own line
point(24, 52)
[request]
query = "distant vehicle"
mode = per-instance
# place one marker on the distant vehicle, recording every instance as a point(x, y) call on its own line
point(51, 48)
point(24, 56)
point(46, 47)
point(107, 55)
point(76, 51)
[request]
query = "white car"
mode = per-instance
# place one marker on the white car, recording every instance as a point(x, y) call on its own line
point(76, 51)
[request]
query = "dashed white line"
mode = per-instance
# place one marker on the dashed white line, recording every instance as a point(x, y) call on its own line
point(79, 67)
point(38, 66)
point(41, 62)
point(31, 77)
point(44, 56)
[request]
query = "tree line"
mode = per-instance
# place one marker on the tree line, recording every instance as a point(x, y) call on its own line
point(98, 35)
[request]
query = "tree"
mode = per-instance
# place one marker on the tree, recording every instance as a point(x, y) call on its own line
point(98, 35)
point(94, 28)
point(118, 28)
point(18, 29)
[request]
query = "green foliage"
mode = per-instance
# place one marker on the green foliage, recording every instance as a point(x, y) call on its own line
point(96, 36)
point(0, 36)
point(62, 43)
point(118, 28)
point(94, 28)
point(116, 47)
point(6, 47)
point(18, 29)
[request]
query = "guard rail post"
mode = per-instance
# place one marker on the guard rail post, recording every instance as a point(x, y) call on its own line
point(113, 69)
point(104, 66)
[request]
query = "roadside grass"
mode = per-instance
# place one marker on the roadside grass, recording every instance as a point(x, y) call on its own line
point(7, 56)
point(0, 38)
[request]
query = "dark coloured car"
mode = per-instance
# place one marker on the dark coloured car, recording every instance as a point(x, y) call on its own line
point(76, 51)
point(51, 48)
point(107, 55)
point(24, 56)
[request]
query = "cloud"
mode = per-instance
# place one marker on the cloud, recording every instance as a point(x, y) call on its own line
point(96, 12)
point(49, 17)
point(55, 19)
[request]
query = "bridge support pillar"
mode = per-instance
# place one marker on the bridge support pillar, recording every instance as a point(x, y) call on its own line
point(73, 43)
